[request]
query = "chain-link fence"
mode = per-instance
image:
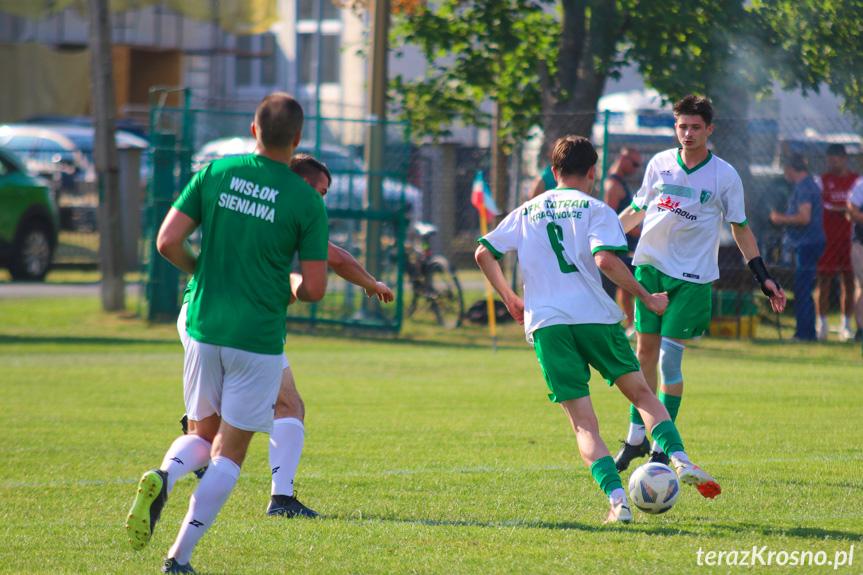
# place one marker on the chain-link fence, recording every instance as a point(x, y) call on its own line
point(373, 230)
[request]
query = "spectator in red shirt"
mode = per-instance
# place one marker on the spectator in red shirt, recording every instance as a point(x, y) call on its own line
point(836, 185)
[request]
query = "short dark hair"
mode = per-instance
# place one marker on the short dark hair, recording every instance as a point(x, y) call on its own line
point(305, 166)
point(279, 119)
point(797, 162)
point(693, 105)
point(573, 155)
point(836, 150)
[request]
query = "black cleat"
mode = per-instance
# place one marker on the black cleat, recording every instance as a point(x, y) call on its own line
point(147, 508)
point(288, 506)
point(659, 457)
point(171, 566)
point(629, 452)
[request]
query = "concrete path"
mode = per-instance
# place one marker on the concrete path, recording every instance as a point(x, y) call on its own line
point(12, 290)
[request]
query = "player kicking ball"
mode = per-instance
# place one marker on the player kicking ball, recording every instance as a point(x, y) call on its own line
point(563, 238)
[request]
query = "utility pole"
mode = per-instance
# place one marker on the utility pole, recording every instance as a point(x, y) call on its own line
point(105, 158)
point(376, 137)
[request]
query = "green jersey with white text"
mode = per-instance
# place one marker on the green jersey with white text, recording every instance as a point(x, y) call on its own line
point(255, 214)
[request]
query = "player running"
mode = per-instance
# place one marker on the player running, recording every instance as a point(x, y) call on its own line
point(286, 441)
point(255, 215)
point(563, 238)
point(685, 193)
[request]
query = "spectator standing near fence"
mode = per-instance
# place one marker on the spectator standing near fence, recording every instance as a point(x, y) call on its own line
point(545, 180)
point(855, 212)
point(804, 234)
point(836, 184)
point(618, 197)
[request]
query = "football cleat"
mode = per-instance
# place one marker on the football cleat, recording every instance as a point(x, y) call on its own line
point(288, 506)
point(147, 508)
point(172, 566)
point(659, 457)
point(619, 513)
point(629, 452)
point(691, 474)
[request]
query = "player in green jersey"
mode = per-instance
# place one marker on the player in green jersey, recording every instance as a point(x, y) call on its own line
point(255, 215)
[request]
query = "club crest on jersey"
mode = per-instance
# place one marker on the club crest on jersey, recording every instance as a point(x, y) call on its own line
point(705, 195)
point(667, 204)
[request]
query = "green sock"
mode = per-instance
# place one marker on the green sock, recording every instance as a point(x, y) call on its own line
point(634, 416)
point(671, 403)
point(665, 434)
point(605, 473)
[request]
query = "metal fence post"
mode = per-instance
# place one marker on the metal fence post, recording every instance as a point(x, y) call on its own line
point(164, 278)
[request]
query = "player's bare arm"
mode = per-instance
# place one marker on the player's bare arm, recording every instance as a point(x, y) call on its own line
point(171, 241)
point(346, 266)
point(489, 266)
point(617, 272)
point(630, 218)
point(311, 284)
point(745, 240)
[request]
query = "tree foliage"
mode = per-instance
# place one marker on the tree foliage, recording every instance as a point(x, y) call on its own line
point(478, 51)
point(544, 66)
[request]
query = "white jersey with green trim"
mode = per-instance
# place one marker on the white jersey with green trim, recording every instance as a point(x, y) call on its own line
point(556, 235)
point(685, 207)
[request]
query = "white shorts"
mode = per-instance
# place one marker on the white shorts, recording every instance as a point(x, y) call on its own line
point(184, 335)
point(241, 386)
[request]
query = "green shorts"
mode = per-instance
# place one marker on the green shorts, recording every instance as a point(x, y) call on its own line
point(688, 313)
point(566, 353)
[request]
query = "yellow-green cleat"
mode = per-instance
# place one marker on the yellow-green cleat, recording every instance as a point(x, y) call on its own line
point(147, 508)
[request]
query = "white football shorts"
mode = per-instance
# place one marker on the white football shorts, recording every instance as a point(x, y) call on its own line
point(184, 335)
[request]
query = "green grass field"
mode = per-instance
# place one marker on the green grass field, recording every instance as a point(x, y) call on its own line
point(425, 454)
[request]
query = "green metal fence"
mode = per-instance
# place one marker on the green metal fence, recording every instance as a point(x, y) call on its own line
point(185, 139)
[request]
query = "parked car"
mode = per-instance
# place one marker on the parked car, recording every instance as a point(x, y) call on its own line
point(48, 148)
point(349, 177)
point(28, 220)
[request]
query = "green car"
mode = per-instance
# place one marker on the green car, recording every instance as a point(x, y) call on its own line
point(28, 221)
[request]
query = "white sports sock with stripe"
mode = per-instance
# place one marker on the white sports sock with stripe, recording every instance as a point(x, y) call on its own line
point(212, 493)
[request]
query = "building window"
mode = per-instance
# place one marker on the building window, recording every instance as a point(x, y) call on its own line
point(256, 60)
point(330, 58)
point(307, 10)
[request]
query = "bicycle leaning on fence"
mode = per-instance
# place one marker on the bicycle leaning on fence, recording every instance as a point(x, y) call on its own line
point(433, 280)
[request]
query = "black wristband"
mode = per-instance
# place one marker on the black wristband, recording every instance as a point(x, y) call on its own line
point(759, 270)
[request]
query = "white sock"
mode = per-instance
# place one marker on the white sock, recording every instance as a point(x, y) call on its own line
point(655, 447)
point(188, 453)
point(206, 502)
point(679, 457)
point(617, 495)
point(823, 320)
point(636, 434)
point(846, 322)
point(286, 447)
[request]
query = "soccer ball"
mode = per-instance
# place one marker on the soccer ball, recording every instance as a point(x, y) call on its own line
point(654, 488)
